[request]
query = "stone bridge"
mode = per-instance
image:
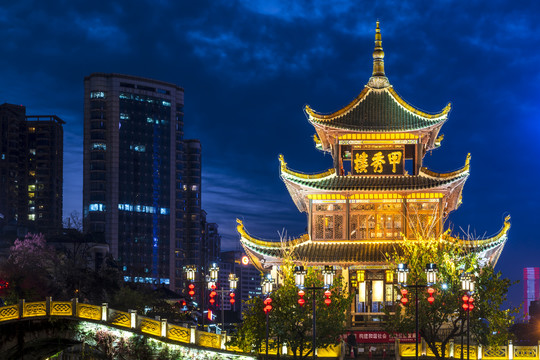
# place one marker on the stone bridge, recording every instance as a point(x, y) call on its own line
point(24, 331)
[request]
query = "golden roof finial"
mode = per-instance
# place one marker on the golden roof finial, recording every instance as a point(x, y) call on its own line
point(378, 54)
point(378, 79)
point(282, 161)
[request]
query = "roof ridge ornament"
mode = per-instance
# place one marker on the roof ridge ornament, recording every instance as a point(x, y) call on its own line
point(378, 79)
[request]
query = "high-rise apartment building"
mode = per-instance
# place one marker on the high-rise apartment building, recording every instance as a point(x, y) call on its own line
point(134, 184)
point(193, 217)
point(31, 170)
point(531, 288)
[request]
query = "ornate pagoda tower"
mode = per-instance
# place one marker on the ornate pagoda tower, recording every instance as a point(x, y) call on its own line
point(376, 194)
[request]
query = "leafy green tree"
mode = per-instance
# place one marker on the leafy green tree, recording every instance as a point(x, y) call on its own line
point(444, 319)
point(291, 324)
point(251, 335)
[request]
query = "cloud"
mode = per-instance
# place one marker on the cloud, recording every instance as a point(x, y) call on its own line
point(295, 10)
point(265, 210)
point(248, 58)
point(103, 32)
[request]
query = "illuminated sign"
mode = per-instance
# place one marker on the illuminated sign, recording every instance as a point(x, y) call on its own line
point(245, 260)
point(377, 162)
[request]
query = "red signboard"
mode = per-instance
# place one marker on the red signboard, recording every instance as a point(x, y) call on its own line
point(373, 337)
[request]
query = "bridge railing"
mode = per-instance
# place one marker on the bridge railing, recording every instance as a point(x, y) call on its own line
point(157, 327)
point(476, 352)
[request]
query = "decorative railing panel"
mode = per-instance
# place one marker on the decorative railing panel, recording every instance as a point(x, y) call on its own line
point(35, 309)
point(208, 339)
point(439, 350)
point(525, 352)
point(178, 333)
point(495, 353)
point(408, 349)
point(473, 352)
point(86, 311)
point(152, 327)
point(120, 318)
point(9, 312)
point(61, 308)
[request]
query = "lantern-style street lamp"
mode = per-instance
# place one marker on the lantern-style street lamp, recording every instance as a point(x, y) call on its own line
point(328, 278)
point(267, 287)
point(299, 276)
point(467, 285)
point(214, 273)
point(402, 271)
point(190, 272)
point(431, 278)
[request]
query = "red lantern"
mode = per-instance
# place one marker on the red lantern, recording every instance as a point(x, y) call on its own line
point(327, 294)
point(465, 305)
point(231, 300)
point(327, 301)
point(191, 292)
point(213, 293)
point(404, 299)
point(471, 306)
point(301, 301)
point(431, 291)
point(267, 307)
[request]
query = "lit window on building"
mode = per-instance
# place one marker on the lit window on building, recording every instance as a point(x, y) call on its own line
point(124, 116)
point(166, 103)
point(97, 95)
point(138, 148)
point(96, 207)
point(31, 216)
point(32, 129)
point(98, 146)
point(31, 187)
point(194, 187)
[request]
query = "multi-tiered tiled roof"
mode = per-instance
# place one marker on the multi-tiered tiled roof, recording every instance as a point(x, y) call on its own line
point(377, 117)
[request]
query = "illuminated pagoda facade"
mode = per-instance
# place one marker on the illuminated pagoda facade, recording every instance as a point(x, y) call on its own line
point(376, 194)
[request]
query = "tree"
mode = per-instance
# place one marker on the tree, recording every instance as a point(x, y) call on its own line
point(444, 319)
point(28, 269)
point(291, 324)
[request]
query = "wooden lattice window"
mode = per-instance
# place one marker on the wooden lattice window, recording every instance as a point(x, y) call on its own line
point(375, 221)
point(328, 221)
point(423, 219)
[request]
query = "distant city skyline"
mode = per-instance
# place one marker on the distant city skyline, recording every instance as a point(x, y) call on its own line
point(248, 69)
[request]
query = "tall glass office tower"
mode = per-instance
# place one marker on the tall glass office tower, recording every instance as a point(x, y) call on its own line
point(133, 190)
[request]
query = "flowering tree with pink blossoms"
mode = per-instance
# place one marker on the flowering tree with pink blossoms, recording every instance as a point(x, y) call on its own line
point(29, 269)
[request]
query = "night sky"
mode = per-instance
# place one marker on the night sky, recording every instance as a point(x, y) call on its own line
point(248, 67)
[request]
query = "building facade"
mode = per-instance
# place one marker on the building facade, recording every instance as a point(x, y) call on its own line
point(31, 170)
point(133, 190)
point(376, 193)
point(531, 288)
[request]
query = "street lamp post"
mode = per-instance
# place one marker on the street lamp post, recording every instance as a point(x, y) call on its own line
point(328, 278)
point(233, 281)
point(431, 278)
point(467, 285)
point(267, 286)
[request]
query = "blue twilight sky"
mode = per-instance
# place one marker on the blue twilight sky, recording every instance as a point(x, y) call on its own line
point(248, 67)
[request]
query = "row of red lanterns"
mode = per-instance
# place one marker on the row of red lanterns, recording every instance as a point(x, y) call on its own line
point(302, 301)
point(404, 292)
point(467, 299)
